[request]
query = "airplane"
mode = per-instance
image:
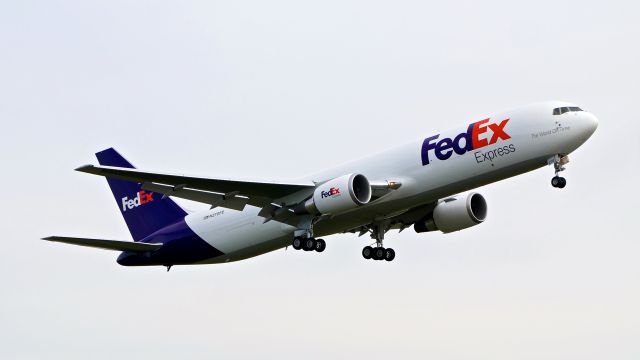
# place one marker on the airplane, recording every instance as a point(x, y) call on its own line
point(419, 184)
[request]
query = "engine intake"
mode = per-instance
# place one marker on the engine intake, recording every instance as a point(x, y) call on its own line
point(455, 213)
point(337, 195)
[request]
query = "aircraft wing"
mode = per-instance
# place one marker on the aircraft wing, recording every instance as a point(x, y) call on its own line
point(227, 193)
point(106, 244)
point(247, 188)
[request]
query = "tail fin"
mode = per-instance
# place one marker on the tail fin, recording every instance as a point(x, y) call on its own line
point(144, 212)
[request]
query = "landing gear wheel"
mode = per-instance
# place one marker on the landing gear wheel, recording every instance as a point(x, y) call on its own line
point(378, 253)
point(309, 244)
point(320, 245)
point(389, 254)
point(367, 252)
point(558, 182)
point(563, 183)
point(297, 243)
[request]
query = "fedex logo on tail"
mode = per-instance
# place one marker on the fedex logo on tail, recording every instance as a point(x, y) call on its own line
point(141, 198)
point(478, 135)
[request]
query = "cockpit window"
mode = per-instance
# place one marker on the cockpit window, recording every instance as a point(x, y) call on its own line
point(562, 110)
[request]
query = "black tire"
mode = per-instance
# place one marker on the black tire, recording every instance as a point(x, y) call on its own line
point(297, 243)
point(389, 254)
point(320, 245)
point(309, 244)
point(378, 253)
point(367, 252)
point(563, 183)
point(555, 181)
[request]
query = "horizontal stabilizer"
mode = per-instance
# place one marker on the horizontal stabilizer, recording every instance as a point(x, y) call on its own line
point(106, 244)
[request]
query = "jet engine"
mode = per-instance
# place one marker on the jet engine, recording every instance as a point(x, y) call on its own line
point(337, 195)
point(455, 213)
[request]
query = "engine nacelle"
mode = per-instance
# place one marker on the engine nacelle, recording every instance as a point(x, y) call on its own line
point(455, 213)
point(338, 195)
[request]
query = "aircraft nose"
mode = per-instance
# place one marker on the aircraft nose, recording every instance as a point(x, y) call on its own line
point(590, 123)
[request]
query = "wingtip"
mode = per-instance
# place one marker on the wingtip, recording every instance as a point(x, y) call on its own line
point(84, 168)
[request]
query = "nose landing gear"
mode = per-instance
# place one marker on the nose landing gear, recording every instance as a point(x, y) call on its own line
point(558, 162)
point(558, 182)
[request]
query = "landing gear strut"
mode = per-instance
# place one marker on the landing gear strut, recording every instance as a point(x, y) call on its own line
point(378, 252)
point(558, 165)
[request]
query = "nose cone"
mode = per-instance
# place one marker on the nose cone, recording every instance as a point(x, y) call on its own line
point(590, 123)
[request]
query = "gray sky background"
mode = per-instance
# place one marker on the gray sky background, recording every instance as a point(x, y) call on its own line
point(277, 90)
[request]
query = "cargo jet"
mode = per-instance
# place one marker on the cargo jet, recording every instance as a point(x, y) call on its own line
point(417, 184)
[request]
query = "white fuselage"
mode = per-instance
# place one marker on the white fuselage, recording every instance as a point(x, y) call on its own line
point(530, 136)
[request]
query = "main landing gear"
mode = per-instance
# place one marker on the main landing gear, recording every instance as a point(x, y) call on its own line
point(378, 252)
point(558, 162)
point(309, 244)
point(303, 237)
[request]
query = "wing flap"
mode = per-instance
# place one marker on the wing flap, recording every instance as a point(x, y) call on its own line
point(105, 244)
point(229, 201)
point(280, 214)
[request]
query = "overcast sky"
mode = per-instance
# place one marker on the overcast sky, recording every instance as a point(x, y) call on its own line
point(277, 90)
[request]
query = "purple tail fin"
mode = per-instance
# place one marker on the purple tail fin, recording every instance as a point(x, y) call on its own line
point(144, 212)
